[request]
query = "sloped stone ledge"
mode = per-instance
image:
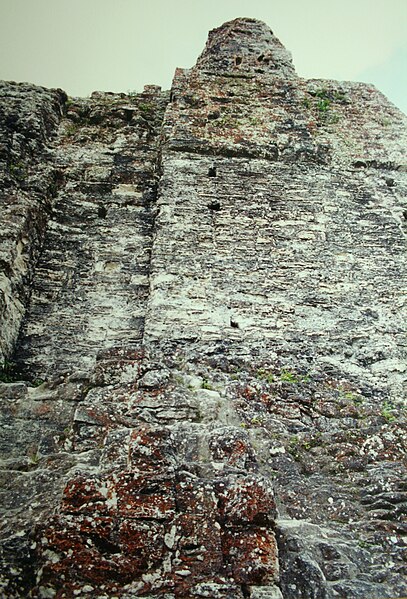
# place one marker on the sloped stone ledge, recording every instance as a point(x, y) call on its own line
point(165, 472)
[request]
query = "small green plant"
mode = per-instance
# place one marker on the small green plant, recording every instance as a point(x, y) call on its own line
point(286, 376)
point(8, 372)
point(333, 118)
point(323, 94)
point(339, 97)
point(323, 105)
point(228, 121)
point(265, 375)
point(316, 440)
point(33, 454)
point(387, 412)
point(35, 458)
point(293, 447)
point(67, 431)
point(207, 385)
point(289, 376)
point(17, 170)
point(37, 382)
point(356, 399)
point(71, 129)
point(366, 544)
point(145, 109)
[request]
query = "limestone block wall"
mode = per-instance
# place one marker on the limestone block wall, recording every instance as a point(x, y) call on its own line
point(292, 195)
point(202, 295)
point(91, 280)
point(29, 116)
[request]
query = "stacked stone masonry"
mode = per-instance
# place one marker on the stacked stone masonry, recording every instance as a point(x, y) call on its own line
point(202, 335)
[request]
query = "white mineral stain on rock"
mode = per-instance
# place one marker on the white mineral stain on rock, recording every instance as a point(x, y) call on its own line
point(47, 592)
point(126, 189)
point(170, 537)
point(277, 450)
point(51, 556)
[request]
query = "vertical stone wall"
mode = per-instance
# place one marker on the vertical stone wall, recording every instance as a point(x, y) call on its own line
point(91, 281)
point(29, 116)
point(208, 394)
point(292, 196)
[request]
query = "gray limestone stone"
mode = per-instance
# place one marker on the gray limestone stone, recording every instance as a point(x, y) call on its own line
point(202, 334)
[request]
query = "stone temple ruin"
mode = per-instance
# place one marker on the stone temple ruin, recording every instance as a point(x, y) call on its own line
point(201, 307)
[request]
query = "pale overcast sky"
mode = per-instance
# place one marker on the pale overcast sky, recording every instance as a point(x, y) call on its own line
point(120, 45)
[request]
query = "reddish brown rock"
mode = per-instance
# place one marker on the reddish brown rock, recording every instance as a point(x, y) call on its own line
point(197, 548)
point(150, 450)
point(247, 500)
point(87, 496)
point(251, 555)
point(145, 497)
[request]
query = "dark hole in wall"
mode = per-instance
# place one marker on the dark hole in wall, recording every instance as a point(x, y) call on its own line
point(260, 58)
point(128, 114)
point(215, 206)
point(151, 490)
point(246, 591)
point(190, 547)
point(105, 546)
point(102, 211)
point(212, 172)
point(234, 324)
point(359, 164)
point(238, 60)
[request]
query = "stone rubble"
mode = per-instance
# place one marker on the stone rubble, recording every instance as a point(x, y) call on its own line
point(202, 335)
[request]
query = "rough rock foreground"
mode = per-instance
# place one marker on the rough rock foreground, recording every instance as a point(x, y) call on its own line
point(202, 335)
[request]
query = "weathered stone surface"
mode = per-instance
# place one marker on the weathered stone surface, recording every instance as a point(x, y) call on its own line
point(282, 187)
point(245, 48)
point(29, 116)
point(91, 282)
point(207, 395)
